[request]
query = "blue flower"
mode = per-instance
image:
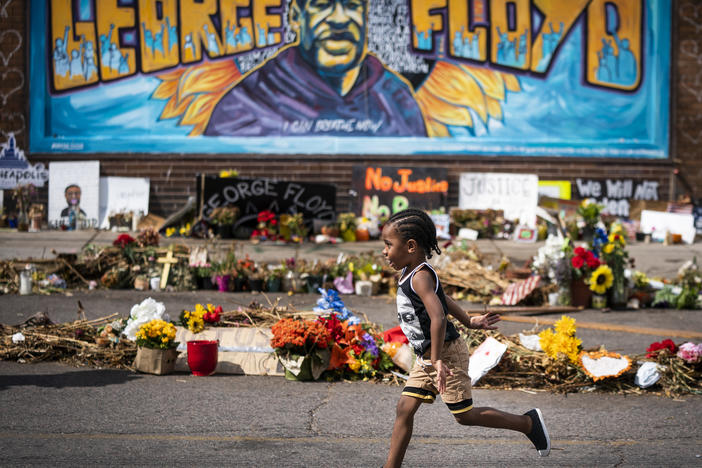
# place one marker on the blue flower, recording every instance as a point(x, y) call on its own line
point(331, 302)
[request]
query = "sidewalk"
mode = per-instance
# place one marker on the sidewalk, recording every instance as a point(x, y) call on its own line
point(655, 259)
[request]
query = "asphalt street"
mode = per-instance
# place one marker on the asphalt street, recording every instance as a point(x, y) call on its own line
point(56, 415)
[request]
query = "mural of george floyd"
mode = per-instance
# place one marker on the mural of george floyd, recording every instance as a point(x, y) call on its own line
point(588, 89)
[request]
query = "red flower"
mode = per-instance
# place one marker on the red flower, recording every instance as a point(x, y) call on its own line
point(592, 261)
point(265, 216)
point(579, 251)
point(659, 346)
point(577, 262)
point(123, 240)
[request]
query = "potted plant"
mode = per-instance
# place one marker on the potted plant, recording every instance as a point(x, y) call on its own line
point(302, 347)
point(203, 275)
point(223, 218)
point(347, 226)
point(256, 277)
point(616, 257)
point(156, 347)
point(293, 227)
point(273, 279)
point(583, 262)
point(589, 215)
point(267, 227)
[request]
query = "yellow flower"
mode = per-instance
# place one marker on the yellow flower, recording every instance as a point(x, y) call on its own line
point(565, 326)
point(170, 231)
point(608, 248)
point(617, 238)
point(601, 279)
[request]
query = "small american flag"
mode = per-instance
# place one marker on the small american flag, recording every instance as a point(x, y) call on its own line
point(515, 292)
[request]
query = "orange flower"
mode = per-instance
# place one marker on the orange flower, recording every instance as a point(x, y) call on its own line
point(338, 357)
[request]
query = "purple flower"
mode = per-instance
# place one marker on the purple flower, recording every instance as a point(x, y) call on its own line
point(369, 343)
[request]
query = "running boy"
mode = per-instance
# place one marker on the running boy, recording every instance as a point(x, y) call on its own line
point(442, 357)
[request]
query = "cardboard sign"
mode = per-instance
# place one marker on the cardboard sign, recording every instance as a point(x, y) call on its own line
point(516, 194)
point(657, 223)
point(314, 201)
point(74, 186)
point(385, 190)
point(122, 195)
point(241, 350)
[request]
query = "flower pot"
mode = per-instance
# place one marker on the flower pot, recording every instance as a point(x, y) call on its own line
point(205, 282)
point(273, 285)
point(619, 295)
point(202, 356)
point(256, 284)
point(155, 361)
point(349, 235)
point(362, 235)
point(222, 282)
point(305, 368)
point(580, 293)
point(313, 283)
point(599, 301)
point(224, 231)
point(240, 284)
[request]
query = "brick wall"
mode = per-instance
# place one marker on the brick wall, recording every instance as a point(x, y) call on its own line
point(173, 175)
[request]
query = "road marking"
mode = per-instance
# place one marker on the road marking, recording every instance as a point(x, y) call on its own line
point(319, 439)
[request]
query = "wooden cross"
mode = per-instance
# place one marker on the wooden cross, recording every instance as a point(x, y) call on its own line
point(168, 260)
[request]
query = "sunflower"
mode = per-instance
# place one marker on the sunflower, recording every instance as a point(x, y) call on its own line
point(601, 279)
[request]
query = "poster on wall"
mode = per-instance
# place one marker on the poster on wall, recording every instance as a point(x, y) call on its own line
point(616, 195)
point(74, 194)
point(486, 77)
point(382, 191)
point(123, 195)
point(517, 195)
point(16, 170)
point(252, 196)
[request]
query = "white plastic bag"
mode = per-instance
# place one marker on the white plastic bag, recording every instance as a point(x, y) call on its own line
point(485, 357)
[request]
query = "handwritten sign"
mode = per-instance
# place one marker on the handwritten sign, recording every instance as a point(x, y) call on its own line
point(616, 194)
point(516, 194)
point(122, 195)
point(385, 190)
point(314, 201)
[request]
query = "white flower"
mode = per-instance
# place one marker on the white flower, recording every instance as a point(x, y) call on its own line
point(17, 338)
point(148, 310)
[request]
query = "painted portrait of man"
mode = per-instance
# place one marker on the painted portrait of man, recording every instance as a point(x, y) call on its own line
point(326, 83)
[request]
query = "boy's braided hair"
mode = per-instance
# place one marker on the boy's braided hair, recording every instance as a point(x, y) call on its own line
point(416, 224)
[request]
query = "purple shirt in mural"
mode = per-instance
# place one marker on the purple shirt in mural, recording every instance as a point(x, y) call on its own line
point(285, 96)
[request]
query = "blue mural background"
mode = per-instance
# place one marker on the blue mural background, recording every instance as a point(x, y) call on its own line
point(558, 115)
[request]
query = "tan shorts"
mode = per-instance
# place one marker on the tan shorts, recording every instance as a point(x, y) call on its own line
point(422, 378)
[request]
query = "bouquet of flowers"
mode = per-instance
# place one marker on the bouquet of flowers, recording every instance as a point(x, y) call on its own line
point(561, 340)
point(302, 346)
point(146, 311)
point(157, 334)
point(195, 320)
point(356, 350)
point(589, 212)
point(267, 228)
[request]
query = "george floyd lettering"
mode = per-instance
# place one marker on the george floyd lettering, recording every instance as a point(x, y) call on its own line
point(251, 196)
point(616, 194)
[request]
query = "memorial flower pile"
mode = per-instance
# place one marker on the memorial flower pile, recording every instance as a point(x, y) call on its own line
point(356, 350)
point(157, 334)
point(299, 336)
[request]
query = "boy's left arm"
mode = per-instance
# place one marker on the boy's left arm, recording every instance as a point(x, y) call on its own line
point(484, 322)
